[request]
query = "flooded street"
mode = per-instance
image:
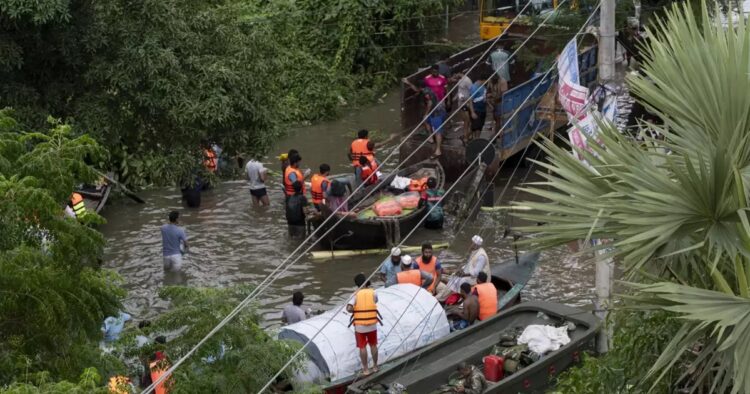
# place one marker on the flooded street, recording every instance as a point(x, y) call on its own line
point(231, 242)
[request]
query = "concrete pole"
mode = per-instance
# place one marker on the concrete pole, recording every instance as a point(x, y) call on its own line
point(607, 42)
point(605, 266)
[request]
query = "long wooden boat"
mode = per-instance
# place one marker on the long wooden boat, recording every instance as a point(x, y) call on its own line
point(427, 369)
point(509, 277)
point(95, 196)
point(517, 112)
point(356, 232)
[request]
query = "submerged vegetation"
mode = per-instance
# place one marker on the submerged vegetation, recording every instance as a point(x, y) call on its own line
point(153, 80)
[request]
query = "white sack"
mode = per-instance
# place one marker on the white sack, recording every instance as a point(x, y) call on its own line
point(543, 339)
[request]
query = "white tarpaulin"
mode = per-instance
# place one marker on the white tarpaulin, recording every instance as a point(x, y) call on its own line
point(334, 350)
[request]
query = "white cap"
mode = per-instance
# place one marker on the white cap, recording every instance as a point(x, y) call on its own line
point(406, 260)
point(395, 251)
point(477, 240)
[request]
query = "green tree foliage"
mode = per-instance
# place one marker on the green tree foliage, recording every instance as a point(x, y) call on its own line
point(90, 382)
point(54, 296)
point(154, 79)
point(639, 340)
point(240, 358)
point(674, 207)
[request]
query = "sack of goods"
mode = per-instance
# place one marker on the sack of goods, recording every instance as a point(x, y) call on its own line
point(387, 207)
point(408, 200)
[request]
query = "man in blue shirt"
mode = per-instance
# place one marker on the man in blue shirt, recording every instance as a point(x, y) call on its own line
point(391, 267)
point(174, 243)
point(477, 106)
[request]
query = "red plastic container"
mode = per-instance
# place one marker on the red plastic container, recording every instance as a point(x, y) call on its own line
point(493, 368)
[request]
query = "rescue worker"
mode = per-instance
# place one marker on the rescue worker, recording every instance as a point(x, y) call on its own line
point(120, 385)
point(487, 296)
point(292, 173)
point(284, 158)
point(358, 149)
point(429, 264)
point(478, 262)
point(368, 171)
point(432, 198)
point(210, 161)
point(78, 205)
point(414, 276)
point(365, 317)
point(319, 185)
point(158, 365)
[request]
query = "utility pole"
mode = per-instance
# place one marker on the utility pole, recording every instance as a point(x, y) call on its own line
point(605, 266)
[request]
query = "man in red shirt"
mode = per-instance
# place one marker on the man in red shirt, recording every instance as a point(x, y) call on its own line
point(436, 82)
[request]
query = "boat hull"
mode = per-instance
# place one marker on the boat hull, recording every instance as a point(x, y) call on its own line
point(428, 368)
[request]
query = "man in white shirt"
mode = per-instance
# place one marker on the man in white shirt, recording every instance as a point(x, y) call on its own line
point(256, 176)
point(478, 262)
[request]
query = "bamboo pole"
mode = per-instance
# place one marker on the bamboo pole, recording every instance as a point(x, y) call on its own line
point(333, 254)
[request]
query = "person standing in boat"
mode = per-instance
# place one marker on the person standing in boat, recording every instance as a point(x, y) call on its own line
point(478, 262)
point(470, 311)
point(414, 276)
point(495, 90)
point(434, 122)
point(295, 211)
point(478, 107)
point(432, 199)
point(391, 267)
point(368, 171)
point(173, 242)
point(365, 317)
point(429, 264)
point(486, 295)
point(360, 147)
point(256, 177)
point(463, 83)
point(319, 186)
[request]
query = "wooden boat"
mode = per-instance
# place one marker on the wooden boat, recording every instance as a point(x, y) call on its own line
point(425, 370)
point(95, 196)
point(356, 232)
point(509, 277)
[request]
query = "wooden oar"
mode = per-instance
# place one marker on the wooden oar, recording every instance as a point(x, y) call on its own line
point(122, 187)
point(332, 254)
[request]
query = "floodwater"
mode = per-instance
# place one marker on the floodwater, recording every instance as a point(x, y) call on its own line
point(232, 242)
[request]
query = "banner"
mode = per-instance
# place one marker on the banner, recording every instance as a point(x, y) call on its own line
point(567, 63)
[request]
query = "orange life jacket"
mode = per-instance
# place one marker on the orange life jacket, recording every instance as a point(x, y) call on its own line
point(365, 310)
point(209, 160)
point(371, 168)
point(430, 268)
point(316, 188)
point(158, 368)
point(79, 206)
point(359, 148)
point(288, 188)
point(418, 185)
point(411, 276)
point(119, 385)
point(487, 296)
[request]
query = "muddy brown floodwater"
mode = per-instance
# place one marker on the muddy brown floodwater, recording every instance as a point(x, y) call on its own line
point(231, 242)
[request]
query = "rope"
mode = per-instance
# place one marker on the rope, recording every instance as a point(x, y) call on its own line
point(297, 354)
point(270, 278)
